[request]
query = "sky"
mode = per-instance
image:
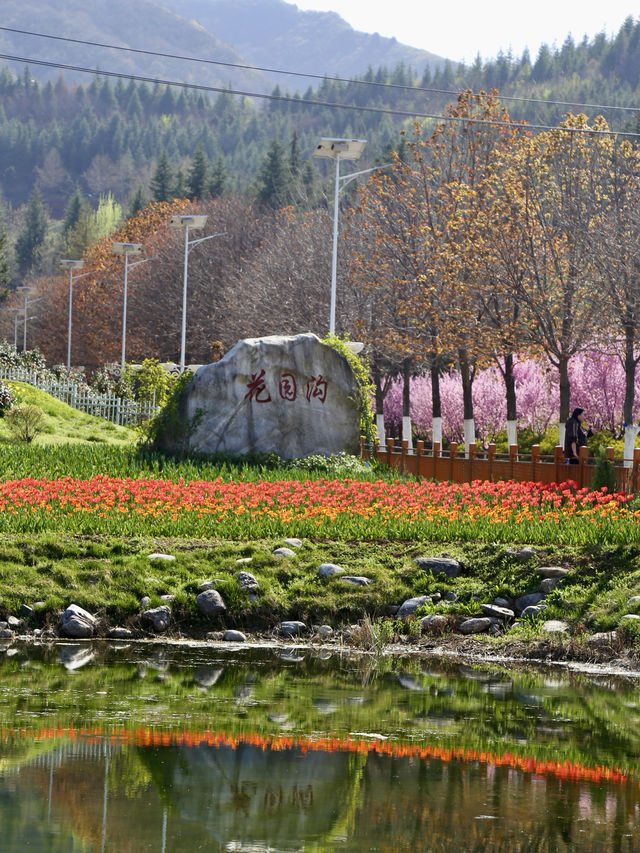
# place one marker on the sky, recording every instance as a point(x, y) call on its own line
point(460, 30)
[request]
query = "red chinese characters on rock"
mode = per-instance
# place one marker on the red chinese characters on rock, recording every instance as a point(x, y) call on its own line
point(258, 389)
point(315, 388)
point(287, 387)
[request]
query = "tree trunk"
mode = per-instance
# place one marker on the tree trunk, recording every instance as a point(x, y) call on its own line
point(565, 394)
point(630, 430)
point(467, 385)
point(510, 389)
point(436, 401)
point(406, 401)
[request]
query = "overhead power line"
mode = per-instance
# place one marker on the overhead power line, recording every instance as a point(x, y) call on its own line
point(411, 114)
point(246, 67)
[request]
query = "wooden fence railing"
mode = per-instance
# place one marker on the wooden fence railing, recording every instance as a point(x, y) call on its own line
point(107, 406)
point(455, 466)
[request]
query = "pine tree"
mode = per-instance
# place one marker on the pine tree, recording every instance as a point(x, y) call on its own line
point(162, 181)
point(5, 269)
point(137, 203)
point(72, 211)
point(219, 179)
point(198, 176)
point(31, 238)
point(274, 178)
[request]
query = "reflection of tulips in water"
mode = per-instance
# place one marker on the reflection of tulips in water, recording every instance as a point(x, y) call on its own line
point(151, 737)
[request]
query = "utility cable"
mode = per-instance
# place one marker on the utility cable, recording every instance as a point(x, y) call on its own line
point(244, 67)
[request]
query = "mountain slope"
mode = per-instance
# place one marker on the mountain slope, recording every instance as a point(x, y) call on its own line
point(277, 34)
point(142, 24)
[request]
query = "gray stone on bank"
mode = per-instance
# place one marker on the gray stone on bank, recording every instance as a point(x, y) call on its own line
point(534, 610)
point(167, 558)
point(503, 602)
point(283, 552)
point(356, 580)
point(232, 636)
point(145, 601)
point(241, 560)
point(293, 543)
point(529, 600)
point(450, 596)
point(26, 611)
point(477, 625)
point(247, 582)
point(120, 634)
point(159, 617)
point(630, 617)
point(327, 570)
point(6, 634)
point(434, 623)
point(210, 602)
point(409, 607)
point(168, 598)
point(324, 631)
point(555, 626)
point(77, 622)
point(547, 585)
point(635, 599)
point(439, 566)
point(292, 628)
point(525, 554)
point(14, 623)
point(497, 612)
point(552, 572)
point(602, 638)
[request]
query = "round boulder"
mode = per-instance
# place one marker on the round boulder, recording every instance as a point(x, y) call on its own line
point(210, 602)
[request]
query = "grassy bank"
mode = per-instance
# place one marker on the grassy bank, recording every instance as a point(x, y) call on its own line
point(109, 576)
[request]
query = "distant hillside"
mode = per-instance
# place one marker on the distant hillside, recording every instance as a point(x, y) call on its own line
point(277, 34)
point(142, 24)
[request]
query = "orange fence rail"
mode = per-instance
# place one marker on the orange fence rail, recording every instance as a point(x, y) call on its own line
point(456, 466)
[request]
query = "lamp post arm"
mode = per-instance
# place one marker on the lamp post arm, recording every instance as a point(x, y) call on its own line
point(142, 261)
point(348, 178)
point(202, 239)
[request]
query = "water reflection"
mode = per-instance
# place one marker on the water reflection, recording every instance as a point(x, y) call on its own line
point(408, 757)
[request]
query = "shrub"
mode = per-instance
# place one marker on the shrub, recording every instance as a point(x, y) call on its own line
point(604, 475)
point(6, 399)
point(25, 422)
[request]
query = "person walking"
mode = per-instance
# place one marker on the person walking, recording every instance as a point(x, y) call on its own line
point(575, 436)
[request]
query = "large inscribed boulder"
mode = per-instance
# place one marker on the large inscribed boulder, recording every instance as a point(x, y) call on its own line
point(293, 396)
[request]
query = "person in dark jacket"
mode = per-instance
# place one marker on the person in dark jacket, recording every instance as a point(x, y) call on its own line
point(575, 436)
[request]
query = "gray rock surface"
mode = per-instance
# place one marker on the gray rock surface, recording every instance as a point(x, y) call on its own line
point(327, 570)
point(497, 612)
point(555, 626)
point(167, 558)
point(283, 552)
point(324, 631)
point(167, 597)
point(439, 566)
point(528, 600)
point(293, 396)
point(76, 622)
point(242, 560)
point(14, 623)
point(210, 602)
point(450, 596)
point(476, 625)
point(145, 601)
point(534, 610)
point(630, 617)
point(120, 634)
point(26, 611)
point(356, 580)
point(293, 543)
point(503, 602)
point(635, 599)
point(206, 585)
point(525, 554)
point(433, 623)
point(603, 638)
point(232, 636)
point(409, 607)
point(547, 585)
point(6, 634)
point(552, 572)
point(247, 582)
point(159, 617)
point(291, 628)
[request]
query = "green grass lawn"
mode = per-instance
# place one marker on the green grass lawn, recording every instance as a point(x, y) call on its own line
point(64, 425)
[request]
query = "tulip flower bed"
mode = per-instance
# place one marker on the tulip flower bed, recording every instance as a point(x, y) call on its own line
point(346, 509)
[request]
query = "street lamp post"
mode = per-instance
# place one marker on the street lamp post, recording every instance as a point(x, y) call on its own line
point(127, 249)
point(188, 222)
point(15, 312)
point(71, 265)
point(26, 289)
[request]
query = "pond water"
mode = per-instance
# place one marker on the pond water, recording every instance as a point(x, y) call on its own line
point(165, 748)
